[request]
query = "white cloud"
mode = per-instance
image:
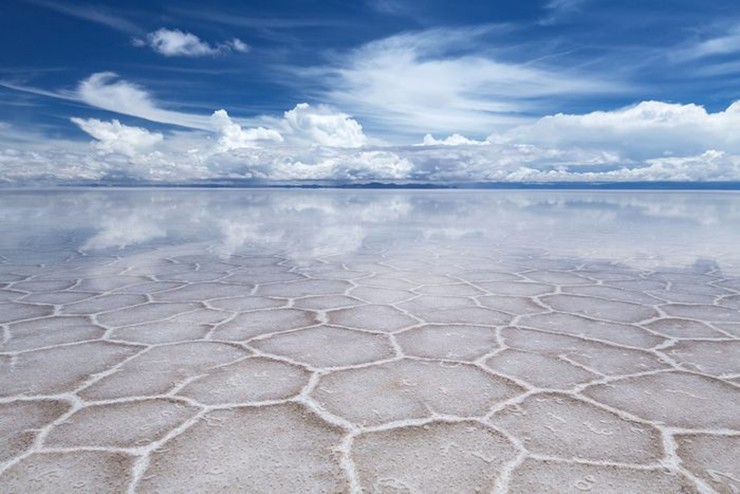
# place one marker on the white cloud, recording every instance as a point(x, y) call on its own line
point(96, 14)
point(114, 137)
point(649, 129)
point(727, 43)
point(452, 140)
point(304, 125)
point(324, 126)
point(103, 90)
point(343, 166)
point(558, 10)
point(711, 165)
point(238, 45)
point(445, 80)
point(177, 43)
point(648, 141)
point(233, 136)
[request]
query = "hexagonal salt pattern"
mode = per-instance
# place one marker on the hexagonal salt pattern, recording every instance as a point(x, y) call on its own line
point(411, 389)
point(713, 458)
point(418, 364)
point(254, 379)
point(572, 478)
point(678, 399)
point(89, 472)
point(21, 421)
point(328, 346)
point(280, 448)
point(120, 425)
point(438, 457)
point(559, 425)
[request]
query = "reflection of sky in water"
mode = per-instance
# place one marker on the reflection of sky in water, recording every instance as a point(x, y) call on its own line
point(644, 229)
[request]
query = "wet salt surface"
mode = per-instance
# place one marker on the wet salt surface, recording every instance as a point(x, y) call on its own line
point(371, 341)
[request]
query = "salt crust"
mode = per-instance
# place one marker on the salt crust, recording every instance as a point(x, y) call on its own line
point(371, 372)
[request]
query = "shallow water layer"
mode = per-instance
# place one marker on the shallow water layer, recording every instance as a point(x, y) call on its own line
point(369, 341)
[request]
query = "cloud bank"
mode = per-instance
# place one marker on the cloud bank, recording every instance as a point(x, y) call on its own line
point(648, 141)
point(646, 130)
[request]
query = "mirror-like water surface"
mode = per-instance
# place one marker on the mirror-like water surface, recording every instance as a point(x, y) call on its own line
point(646, 228)
point(369, 341)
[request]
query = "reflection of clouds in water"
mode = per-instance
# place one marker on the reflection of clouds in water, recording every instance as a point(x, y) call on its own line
point(329, 242)
point(640, 228)
point(300, 226)
point(392, 209)
point(236, 235)
point(299, 245)
point(123, 231)
point(452, 233)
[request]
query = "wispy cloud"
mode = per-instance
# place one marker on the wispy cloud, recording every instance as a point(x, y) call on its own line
point(725, 43)
point(105, 91)
point(238, 19)
point(63, 94)
point(446, 80)
point(391, 7)
point(177, 43)
point(304, 125)
point(96, 14)
point(560, 10)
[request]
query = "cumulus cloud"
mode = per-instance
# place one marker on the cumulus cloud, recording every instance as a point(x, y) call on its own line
point(177, 43)
point(712, 165)
point(114, 137)
point(452, 140)
point(233, 136)
point(304, 125)
point(342, 166)
point(324, 126)
point(649, 129)
point(645, 142)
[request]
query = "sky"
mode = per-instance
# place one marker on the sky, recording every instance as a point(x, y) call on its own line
point(371, 90)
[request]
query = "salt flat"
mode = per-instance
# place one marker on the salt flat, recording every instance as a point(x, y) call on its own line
point(329, 341)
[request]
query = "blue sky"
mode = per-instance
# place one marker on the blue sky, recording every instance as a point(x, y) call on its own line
point(380, 89)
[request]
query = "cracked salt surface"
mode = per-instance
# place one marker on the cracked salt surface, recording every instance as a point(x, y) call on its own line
point(293, 341)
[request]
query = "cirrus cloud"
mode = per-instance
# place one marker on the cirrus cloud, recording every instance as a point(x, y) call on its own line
point(106, 91)
point(441, 80)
